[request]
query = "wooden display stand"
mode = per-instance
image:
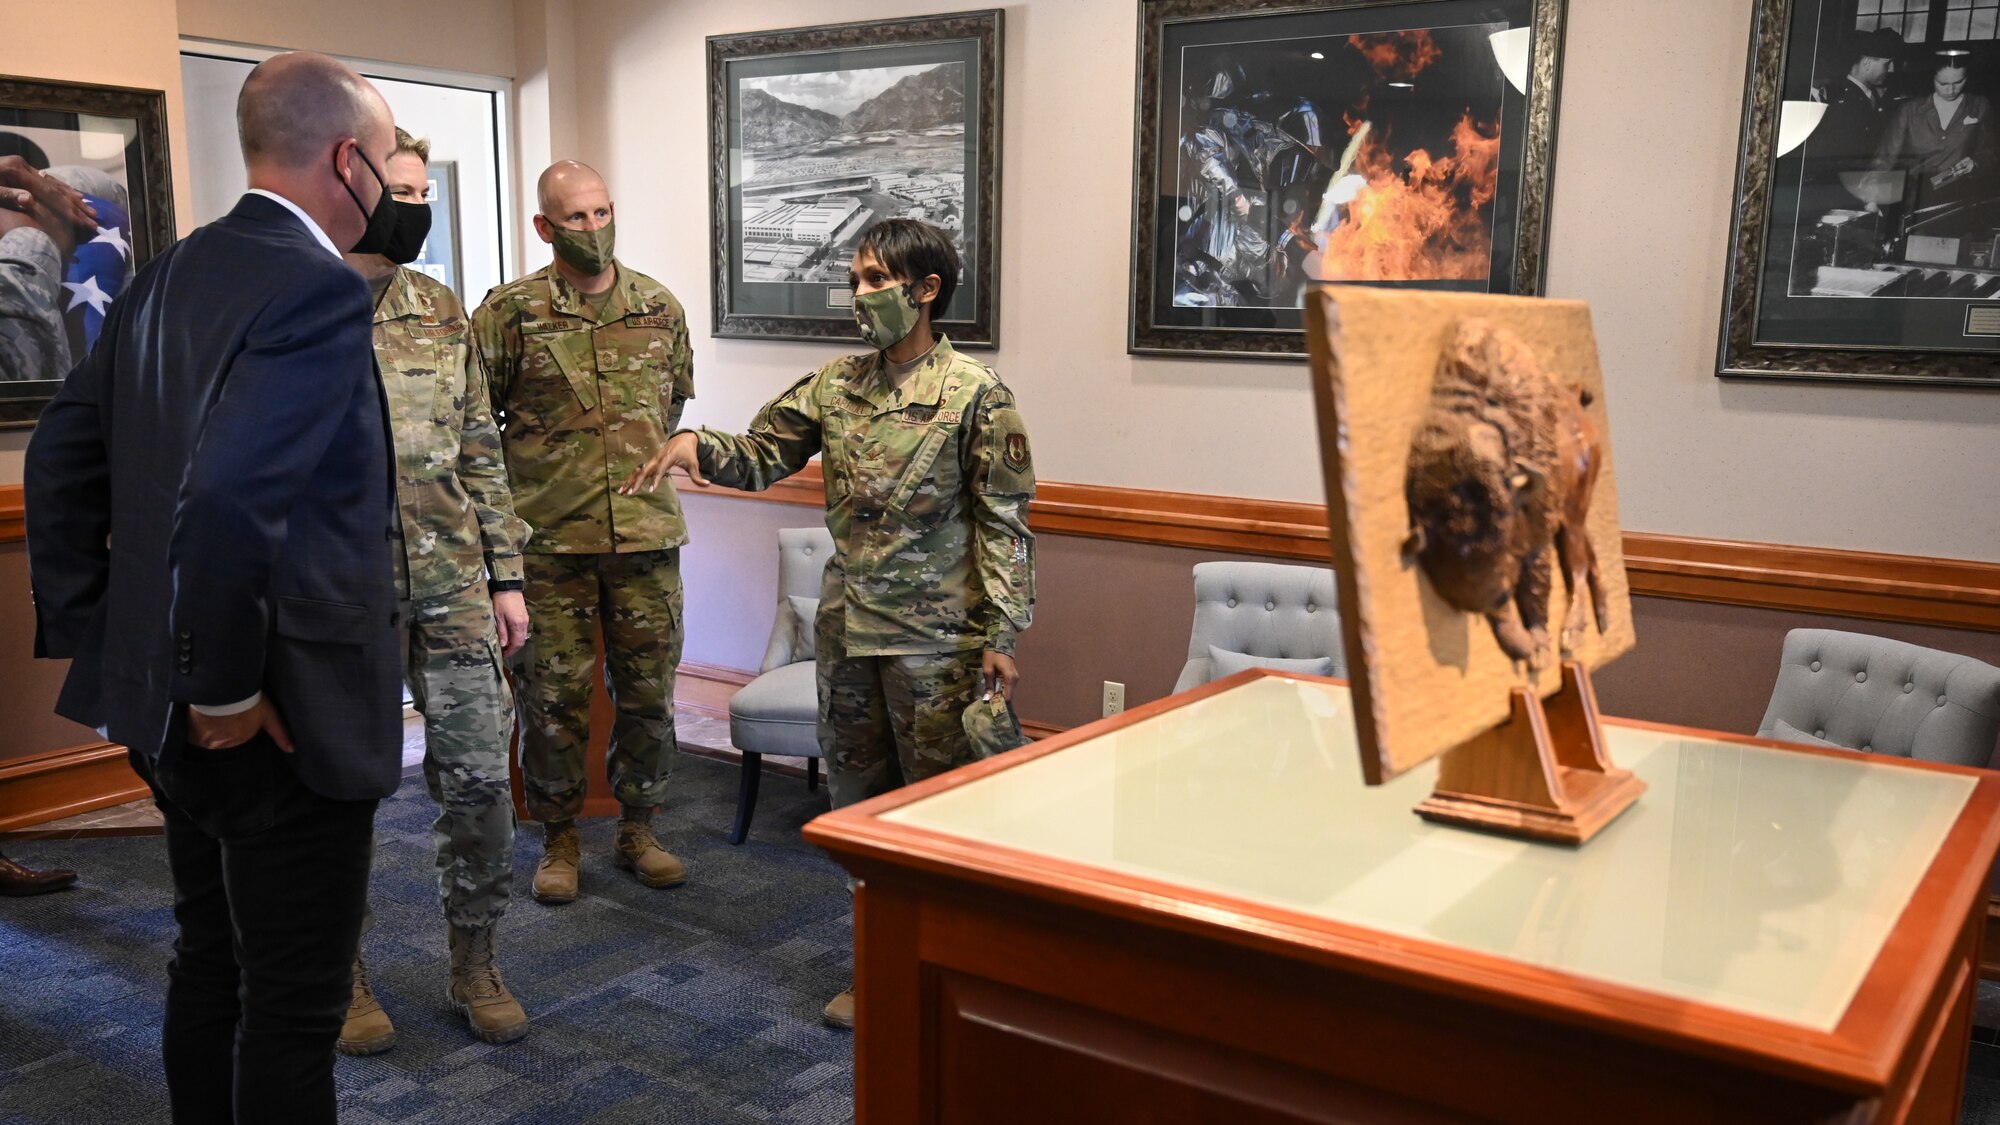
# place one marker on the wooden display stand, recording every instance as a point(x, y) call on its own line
point(1521, 751)
point(1542, 774)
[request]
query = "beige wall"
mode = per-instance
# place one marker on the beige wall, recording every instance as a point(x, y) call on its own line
point(1640, 227)
point(474, 36)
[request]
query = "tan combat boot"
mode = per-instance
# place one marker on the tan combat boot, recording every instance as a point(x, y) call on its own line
point(642, 855)
point(839, 1011)
point(477, 991)
point(555, 875)
point(367, 1030)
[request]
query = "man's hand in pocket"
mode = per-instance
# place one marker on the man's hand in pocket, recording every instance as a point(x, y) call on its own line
point(220, 732)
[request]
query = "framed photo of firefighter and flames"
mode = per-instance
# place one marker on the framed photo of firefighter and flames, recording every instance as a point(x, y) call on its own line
point(1867, 234)
point(818, 133)
point(1280, 144)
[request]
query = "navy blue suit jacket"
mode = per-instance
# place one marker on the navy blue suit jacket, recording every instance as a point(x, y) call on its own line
point(210, 500)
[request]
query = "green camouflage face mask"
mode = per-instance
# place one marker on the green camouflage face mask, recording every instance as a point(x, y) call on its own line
point(887, 315)
point(586, 251)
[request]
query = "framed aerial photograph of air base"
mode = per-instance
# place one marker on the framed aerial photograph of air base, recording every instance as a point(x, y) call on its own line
point(817, 133)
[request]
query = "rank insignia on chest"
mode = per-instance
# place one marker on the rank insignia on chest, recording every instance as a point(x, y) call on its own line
point(1016, 452)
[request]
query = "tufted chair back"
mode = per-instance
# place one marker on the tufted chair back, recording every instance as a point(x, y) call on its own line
point(1885, 697)
point(802, 556)
point(1262, 609)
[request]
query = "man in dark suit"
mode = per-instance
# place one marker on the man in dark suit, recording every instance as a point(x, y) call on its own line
point(209, 518)
point(1858, 108)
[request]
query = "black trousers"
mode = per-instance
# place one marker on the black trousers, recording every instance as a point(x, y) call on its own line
point(270, 881)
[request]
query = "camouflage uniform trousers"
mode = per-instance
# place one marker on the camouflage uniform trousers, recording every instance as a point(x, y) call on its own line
point(888, 721)
point(637, 597)
point(454, 671)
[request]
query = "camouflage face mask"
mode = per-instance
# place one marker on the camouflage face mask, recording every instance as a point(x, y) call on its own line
point(587, 251)
point(887, 315)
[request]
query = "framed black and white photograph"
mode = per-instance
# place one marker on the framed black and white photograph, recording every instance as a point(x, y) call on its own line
point(817, 133)
point(439, 259)
point(110, 145)
point(1283, 144)
point(1867, 233)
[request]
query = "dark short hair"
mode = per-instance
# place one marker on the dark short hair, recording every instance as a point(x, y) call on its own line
point(914, 250)
point(14, 144)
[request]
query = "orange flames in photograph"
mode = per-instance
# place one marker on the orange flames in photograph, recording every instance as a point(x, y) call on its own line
point(1423, 216)
point(1397, 56)
point(1430, 224)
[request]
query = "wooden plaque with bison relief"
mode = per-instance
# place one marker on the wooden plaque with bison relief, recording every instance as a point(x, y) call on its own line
point(1474, 516)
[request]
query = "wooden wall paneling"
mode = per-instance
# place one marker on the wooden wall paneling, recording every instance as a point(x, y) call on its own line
point(1952, 593)
point(13, 514)
point(66, 782)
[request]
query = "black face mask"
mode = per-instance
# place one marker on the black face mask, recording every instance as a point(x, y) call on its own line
point(413, 225)
point(381, 221)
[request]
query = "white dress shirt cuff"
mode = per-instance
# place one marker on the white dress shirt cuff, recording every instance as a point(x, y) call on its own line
point(225, 710)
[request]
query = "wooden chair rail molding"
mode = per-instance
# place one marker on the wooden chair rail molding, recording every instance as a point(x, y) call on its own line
point(1953, 593)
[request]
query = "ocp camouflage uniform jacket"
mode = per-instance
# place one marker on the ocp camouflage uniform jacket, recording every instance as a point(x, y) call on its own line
point(585, 401)
point(458, 524)
point(927, 492)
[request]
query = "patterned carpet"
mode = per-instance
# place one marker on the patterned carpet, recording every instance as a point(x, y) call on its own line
point(698, 1004)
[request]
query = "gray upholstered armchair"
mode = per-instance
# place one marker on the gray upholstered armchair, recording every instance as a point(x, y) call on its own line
point(1262, 615)
point(1867, 693)
point(778, 712)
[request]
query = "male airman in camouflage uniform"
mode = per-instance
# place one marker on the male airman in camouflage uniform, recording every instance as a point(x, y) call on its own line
point(928, 479)
point(459, 573)
point(590, 368)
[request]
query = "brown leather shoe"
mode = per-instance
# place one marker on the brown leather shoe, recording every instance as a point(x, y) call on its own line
point(555, 875)
point(17, 881)
point(839, 1011)
point(642, 855)
point(477, 991)
point(367, 1030)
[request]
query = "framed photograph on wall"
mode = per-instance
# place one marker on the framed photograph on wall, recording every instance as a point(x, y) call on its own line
point(1387, 142)
point(439, 259)
point(110, 144)
point(817, 133)
point(1867, 230)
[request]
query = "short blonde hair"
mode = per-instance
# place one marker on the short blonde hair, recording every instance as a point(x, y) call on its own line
point(421, 149)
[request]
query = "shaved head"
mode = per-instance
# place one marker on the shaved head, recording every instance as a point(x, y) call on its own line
point(296, 108)
point(562, 182)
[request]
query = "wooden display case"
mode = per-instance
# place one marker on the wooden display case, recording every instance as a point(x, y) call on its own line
point(1197, 912)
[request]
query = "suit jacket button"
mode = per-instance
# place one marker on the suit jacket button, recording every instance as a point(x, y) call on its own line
point(186, 635)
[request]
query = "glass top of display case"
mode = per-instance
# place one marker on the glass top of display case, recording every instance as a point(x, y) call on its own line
point(1752, 879)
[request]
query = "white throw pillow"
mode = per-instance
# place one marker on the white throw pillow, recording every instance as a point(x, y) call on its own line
point(1229, 663)
point(804, 611)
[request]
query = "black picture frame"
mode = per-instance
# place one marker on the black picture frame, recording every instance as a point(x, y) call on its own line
point(1191, 297)
point(37, 108)
point(1784, 315)
point(862, 168)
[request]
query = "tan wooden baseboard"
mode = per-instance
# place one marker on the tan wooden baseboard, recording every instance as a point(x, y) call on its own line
point(64, 783)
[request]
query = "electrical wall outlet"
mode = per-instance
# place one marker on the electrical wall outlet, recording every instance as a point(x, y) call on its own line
point(1114, 697)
